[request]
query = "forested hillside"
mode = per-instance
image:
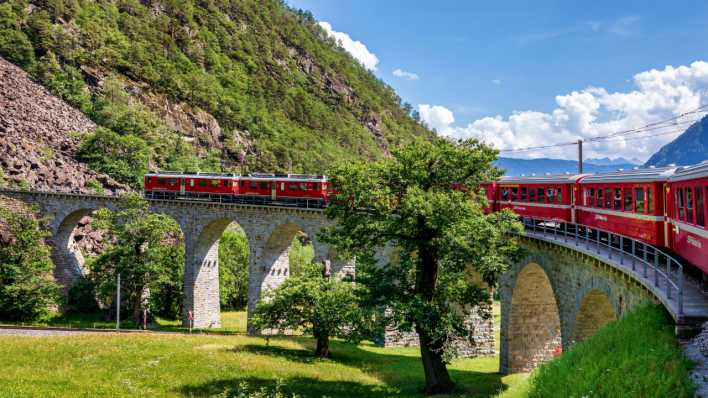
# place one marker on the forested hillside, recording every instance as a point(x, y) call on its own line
point(213, 85)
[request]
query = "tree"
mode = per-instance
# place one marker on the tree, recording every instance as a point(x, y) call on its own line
point(324, 306)
point(124, 158)
point(147, 254)
point(445, 239)
point(27, 288)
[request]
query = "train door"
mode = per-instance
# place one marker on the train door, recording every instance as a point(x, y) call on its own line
point(273, 195)
point(182, 186)
point(668, 205)
point(573, 193)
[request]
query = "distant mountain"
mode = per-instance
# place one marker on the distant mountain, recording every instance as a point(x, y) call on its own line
point(540, 166)
point(691, 147)
point(613, 162)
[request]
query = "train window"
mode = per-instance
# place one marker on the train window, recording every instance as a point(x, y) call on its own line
point(202, 183)
point(523, 194)
point(639, 200)
point(254, 184)
point(589, 196)
point(505, 194)
point(550, 195)
point(191, 182)
point(293, 187)
point(160, 181)
point(700, 215)
point(539, 194)
point(618, 199)
point(214, 183)
point(514, 193)
point(650, 201)
point(265, 185)
point(679, 203)
point(559, 196)
point(608, 198)
point(149, 180)
point(689, 205)
point(173, 181)
point(303, 186)
point(628, 199)
point(598, 203)
point(532, 195)
point(242, 183)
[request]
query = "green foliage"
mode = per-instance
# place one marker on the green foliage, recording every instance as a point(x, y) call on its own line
point(81, 297)
point(244, 390)
point(323, 306)
point(446, 242)
point(124, 158)
point(265, 72)
point(147, 253)
point(300, 254)
point(636, 356)
point(233, 269)
point(27, 287)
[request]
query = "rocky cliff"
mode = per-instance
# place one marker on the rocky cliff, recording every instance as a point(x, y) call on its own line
point(39, 136)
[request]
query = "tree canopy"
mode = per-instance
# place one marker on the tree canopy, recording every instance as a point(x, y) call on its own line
point(426, 202)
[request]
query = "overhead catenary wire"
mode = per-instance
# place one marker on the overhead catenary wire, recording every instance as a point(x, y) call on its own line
point(662, 124)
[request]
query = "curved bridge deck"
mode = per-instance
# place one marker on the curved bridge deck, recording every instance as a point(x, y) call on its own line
point(655, 270)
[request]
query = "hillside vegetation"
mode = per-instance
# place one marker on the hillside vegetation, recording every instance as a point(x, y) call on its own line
point(210, 85)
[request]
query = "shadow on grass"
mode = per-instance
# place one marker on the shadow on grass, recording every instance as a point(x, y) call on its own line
point(400, 375)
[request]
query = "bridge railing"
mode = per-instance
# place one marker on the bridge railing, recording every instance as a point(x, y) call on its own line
point(648, 262)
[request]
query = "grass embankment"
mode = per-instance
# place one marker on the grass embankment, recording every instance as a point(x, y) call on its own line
point(637, 356)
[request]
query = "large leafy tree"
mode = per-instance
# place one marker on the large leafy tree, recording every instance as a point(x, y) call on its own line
point(147, 253)
point(27, 288)
point(315, 303)
point(426, 201)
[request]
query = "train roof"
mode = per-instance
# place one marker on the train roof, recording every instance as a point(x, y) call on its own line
point(699, 170)
point(541, 179)
point(251, 176)
point(637, 174)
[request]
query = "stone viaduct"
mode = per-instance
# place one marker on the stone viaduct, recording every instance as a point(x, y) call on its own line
point(559, 292)
point(269, 230)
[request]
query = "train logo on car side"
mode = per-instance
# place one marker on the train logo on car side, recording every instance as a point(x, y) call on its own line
point(600, 218)
point(694, 242)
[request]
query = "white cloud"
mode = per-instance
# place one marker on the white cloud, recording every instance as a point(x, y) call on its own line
point(405, 74)
point(591, 112)
point(436, 117)
point(497, 82)
point(356, 48)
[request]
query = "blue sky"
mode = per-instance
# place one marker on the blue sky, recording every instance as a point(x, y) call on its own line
point(480, 60)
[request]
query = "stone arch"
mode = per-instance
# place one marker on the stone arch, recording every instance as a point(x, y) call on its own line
point(68, 260)
point(201, 274)
point(595, 311)
point(535, 327)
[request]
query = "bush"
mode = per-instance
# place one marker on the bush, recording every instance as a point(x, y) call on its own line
point(637, 356)
point(81, 297)
point(233, 270)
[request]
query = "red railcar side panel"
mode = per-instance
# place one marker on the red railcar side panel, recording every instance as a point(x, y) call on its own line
point(688, 220)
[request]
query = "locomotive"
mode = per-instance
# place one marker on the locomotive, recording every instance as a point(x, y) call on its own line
point(666, 207)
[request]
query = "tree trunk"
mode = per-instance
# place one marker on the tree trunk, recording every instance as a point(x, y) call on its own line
point(322, 349)
point(437, 379)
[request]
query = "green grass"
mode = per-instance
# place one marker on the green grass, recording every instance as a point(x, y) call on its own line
point(122, 365)
point(202, 365)
point(637, 356)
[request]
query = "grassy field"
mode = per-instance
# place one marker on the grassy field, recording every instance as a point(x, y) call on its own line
point(131, 365)
point(128, 365)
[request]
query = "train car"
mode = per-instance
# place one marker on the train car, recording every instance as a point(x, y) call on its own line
point(687, 195)
point(197, 186)
point(628, 202)
point(490, 191)
point(548, 197)
point(285, 189)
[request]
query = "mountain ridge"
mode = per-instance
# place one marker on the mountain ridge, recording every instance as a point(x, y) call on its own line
point(691, 147)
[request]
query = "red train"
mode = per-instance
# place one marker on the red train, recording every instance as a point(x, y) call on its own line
point(665, 207)
point(296, 190)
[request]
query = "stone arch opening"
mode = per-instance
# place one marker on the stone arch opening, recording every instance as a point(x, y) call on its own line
point(67, 240)
point(534, 329)
point(202, 297)
point(595, 311)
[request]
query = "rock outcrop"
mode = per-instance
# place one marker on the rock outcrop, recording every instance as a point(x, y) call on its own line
point(39, 136)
